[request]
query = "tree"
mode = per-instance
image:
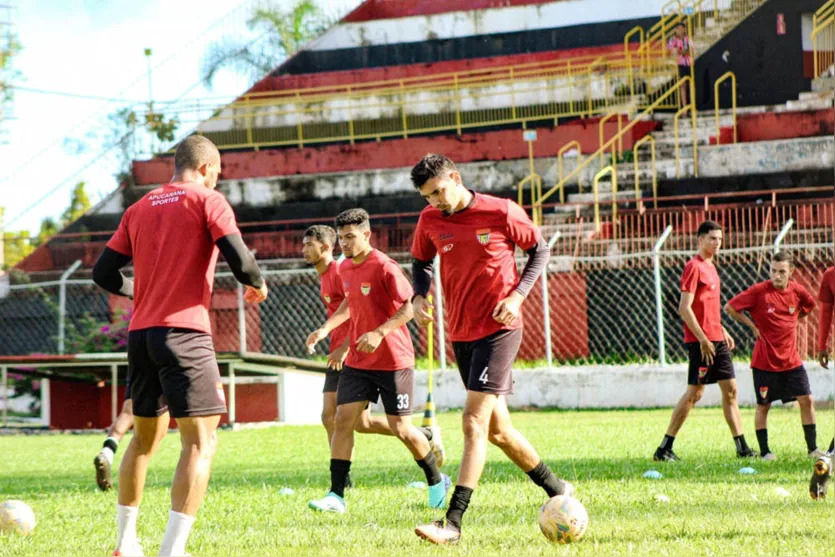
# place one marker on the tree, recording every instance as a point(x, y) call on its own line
point(79, 204)
point(16, 246)
point(280, 35)
point(49, 228)
point(9, 48)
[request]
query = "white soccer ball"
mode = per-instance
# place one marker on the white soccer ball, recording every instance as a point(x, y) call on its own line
point(563, 519)
point(16, 516)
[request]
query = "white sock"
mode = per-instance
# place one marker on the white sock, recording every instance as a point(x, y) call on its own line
point(126, 527)
point(176, 535)
point(108, 454)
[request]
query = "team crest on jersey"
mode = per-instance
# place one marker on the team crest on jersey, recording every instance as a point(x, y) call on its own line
point(327, 299)
point(447, 248)
point(791, 310)
point(702, 372)
point(764, 393)
point(365, 288)
point(483, 236)
point(770, 308)
point(346, 286)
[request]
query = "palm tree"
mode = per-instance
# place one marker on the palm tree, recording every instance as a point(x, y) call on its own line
point(280, 35)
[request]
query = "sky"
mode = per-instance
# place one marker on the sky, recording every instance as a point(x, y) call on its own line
point(96, 48)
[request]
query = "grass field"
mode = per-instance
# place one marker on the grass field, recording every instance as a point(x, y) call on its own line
point(713, 510)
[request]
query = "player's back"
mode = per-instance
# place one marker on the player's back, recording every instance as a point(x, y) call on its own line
point(174, 254)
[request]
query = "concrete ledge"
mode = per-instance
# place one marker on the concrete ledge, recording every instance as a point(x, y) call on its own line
point(764, 157)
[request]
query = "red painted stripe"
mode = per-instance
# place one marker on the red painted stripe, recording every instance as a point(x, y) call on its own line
point(396, 153)
point(393, 73)
point(390, 9)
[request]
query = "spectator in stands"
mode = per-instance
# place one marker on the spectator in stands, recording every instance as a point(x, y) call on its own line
point(681, 47)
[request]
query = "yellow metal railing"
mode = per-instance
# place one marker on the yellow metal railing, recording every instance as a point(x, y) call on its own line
point(823, 37)
point(653, 168)
point(535, 180)
point(609, 146)
point(725, 77)
point(602, 135)
point(607, 171)
point(573, 144)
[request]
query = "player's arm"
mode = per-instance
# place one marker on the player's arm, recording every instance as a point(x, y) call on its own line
point(340, 316)
point(824, 329)
point(807, 303)
point(108, 275)
point(422, 272)
point(740, 317)
point(685, 310)
point(372, 339)
point(242, 263)
point(337, 357)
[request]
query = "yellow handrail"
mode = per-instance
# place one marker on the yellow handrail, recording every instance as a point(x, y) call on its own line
point(823, 35)
point(608, 145)
point(564, 149)
point(609, 170)
point(725, 77)
point(635, 151)
point(536, 192)
point(601, 133)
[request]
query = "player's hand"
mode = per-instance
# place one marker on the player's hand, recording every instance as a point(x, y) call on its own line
point(729, 340)
point(507, 310)
point(756, 332)
point(369, 342)
point(823, 358)
point(422, 306)
point(708, 351)
point(256, 295)
point(313, 338)
point(337, 358)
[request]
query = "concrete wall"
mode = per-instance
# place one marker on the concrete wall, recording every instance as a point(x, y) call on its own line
point(632, 386)
point(766, 157)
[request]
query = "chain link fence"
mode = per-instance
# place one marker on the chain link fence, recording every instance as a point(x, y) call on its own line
point(621, 308)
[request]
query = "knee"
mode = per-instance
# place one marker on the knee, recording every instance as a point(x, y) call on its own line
point(730, 394)
point(473, 427)
point(204, 445)
point(806, 401)
point(328, 417)
point(343, 422)
point(363, 424)
point(497, 437)
point(763, 408)
point(695, 395)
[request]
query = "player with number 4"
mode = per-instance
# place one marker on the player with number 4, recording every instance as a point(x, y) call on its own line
point(380, 361)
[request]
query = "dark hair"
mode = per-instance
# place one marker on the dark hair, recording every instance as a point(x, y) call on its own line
point(783, 256)
point(322, 234)
point(193, 152)
point(681, 24)
point(707, 227)
point(431, 166)
point(358, 217)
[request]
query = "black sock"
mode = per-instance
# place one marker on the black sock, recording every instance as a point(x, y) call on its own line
point(348, 483)
point(430, 467)
point(741, 444)
point(111, 444)
point(458, 506)
point(427, 432)
point(545, 478)
point(831, 446)
point(667, 443)
point(339, 475)
point(810, 431)
point(762, 439)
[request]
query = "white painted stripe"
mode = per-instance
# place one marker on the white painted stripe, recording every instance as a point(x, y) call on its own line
point(484, 22)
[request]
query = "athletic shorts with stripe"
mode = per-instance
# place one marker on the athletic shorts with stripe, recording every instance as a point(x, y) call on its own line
point(486, 364)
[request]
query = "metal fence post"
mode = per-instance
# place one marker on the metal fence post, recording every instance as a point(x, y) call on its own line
point(546, 305)
point(439, 304)
point(241, 320)
point(114, 392)
point(659, 301)
point(783, 232)
point(62, 304)
point(232, 396)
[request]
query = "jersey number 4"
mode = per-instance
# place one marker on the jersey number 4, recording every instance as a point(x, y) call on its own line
point(483, 376)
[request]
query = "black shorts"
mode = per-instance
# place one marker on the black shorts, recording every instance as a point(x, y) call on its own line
point(395, 388)
point(683, 71)
point(174, 370)
point(785, 386)
point(486, 364)
point(127, 385)
point(331, 381)
point(700, 374)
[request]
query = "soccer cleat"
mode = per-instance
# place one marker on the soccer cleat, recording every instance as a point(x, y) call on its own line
point(439, 533)
point(330, 503)
point(438, 492)
point(568, 489)
point(437, 445)
point(135, 551)
point(747, 453)
point(769, 457)
point(816, 454)
point(103, 478)
point(665, 455)
point(820, 478)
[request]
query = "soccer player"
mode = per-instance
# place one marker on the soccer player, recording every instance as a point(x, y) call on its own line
point(775, 306)
point(173, 235)
point(317, 250)
point(380, 360)
point(707, 341)
point(104, 460)
point(826, 297)
point(476, 236)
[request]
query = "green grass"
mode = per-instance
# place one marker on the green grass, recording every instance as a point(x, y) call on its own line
point(713, 510)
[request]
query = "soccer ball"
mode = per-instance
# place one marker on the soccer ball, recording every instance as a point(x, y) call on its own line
point(16, 516)
point(563, 519)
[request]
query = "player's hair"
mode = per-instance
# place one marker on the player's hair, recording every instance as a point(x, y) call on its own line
point(358, 217)
point(322, 234)
point(783, 256)
point(193, 152)
point(431, 166)
point(707, 227)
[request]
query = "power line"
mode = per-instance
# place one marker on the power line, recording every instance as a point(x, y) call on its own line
point(73, 95)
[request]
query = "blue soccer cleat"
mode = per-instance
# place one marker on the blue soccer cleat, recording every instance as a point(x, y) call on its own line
point(330, 503)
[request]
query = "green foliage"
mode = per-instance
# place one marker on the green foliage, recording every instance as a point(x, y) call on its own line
point(10, 48)
point(16, 246)
point(89, 335)
point(79, 205)
point(49, 228)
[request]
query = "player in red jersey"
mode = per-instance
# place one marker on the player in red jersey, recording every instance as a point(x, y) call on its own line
point(173, 235)
point(775, 307)
point(826, 297)
point(317, 250)
point(380, 360)
point(476, 236)
point(707, 341)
